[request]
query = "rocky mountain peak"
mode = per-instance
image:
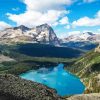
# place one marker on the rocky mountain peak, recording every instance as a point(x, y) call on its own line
point(86, 36)
point(88, 33)
point(48, 34)
point(44, 26)
point(39, 34)
point(22, 27)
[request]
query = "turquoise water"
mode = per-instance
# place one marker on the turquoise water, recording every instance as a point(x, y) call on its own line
point(64, 82)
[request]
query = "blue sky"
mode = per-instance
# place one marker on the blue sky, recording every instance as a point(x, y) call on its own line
point(65, 16)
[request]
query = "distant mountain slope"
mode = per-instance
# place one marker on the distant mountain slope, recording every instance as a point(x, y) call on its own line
point(84, 41)
point(79, 37)
point(39, 34)
point(87, 64)
point(40, 50)
point(88, 68)
point(87, 36)
point(84, 45)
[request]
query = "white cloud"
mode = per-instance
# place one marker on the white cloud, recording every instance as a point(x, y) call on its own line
point(62, 35)
point(86, 21)
point(4, 25)
point(41, 11)
point(98, 30)
point(98, 14)
point(55, 23)
point(74, 33)
point(68, 27)
point(84, 31)
point(64, 20)
point(44, 5)
point(32, 18)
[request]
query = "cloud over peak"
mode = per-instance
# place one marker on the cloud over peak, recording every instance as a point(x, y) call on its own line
point(33, 18)
point(42, 11)
point(4, 25)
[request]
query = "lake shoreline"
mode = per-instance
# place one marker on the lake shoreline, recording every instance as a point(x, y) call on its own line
point(55, 77)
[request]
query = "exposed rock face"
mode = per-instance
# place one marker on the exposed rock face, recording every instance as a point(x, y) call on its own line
point(87, 36)
point(95, 38)
point(95, 96)
point(97, 49)
point(22, 27)
point(15, 88)
point(47, 34)
point(39, 34)
point(5, 58)
point(94, 84)
point(79, 37)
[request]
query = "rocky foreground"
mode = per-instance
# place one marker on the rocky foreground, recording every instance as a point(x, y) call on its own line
point(15, 88)
point(94, 96)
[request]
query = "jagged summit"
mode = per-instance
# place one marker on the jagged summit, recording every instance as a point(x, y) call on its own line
point(89, 33)
point(47, 33)
point(39, 34)
point(22, 27)
point(44, 25)
point(86, 36)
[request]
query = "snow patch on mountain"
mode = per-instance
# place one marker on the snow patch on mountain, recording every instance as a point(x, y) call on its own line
point(87, 36)
point(39, 34)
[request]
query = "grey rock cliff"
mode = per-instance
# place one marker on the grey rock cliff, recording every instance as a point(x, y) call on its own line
point(39, 34)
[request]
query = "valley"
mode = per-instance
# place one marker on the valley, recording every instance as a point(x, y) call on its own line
point(50, 50)
point(23, 61)
point(21, 54)
point(86, 67)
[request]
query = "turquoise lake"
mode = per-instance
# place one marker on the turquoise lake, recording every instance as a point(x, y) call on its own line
point(57, 78)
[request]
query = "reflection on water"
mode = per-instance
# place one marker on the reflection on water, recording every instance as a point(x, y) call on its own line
point(57, 78)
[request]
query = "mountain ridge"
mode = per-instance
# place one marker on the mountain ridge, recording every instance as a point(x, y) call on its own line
point(86, 36)
point(39, 34)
